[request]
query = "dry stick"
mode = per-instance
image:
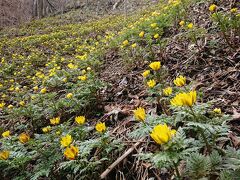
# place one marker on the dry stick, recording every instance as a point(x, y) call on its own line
point(113, 165)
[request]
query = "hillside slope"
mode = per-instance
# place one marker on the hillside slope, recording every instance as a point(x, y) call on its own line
point(154, 94)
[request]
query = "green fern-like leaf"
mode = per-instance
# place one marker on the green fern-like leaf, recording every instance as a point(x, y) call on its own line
point(198, 166)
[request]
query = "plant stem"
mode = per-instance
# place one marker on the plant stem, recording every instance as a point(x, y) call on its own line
point(223, 31)
point(177, 171)
point(193, 114)
point(201, 132)
point(205, 139)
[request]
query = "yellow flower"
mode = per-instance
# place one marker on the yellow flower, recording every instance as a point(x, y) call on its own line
point(155, 65)
point(181, 23)
point(35, 88)
point(82, 78)
point(6, 134)
point(151, 83)
point(22, 103)
point(140, 114)
point(89, 68)
point(180, 81)
point(10, 106)
point(69, 95)
point(100, 127)
point(212, 7)
point(141, 34)
point(156, 36)
point(64, 80)
point(217, 110)
point(11, 88)
point(80, 119)
point(24, 138)
point(125, 43)
point(233, 10)
point(2, 104)
point(153, 25)
point(184, 99)
point(146, 73)
point(43, 91)
point(190, 25)
point(46, 129)
point(161, 134)
point(66, 140)
point(17, 89)
point(134, 45)
point(55, 121)
point(58, 132)
point(4, 155)
point(71, 152)
point(167, 91)
point(72, 66)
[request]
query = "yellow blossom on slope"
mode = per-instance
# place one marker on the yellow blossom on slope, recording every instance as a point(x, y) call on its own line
point(156, 36)
point(190, 25)
point(100, 127)
point(140, 114)
point(167, 91)
point(35, 88)
point(71, 152)
point(4, 155)
point(43, 91)
point(180, 81)
point(55, 121)
point(72, 66)
point(6, 134)
point(125, 43)
point(146, 73)
point(10, 106)
point(212, 7)
point(82, 78)
point(233, 10)
point(24, 138)
point(217, 110)
point(69, 95)
point(66, 140)
point(155, 65)
point(22, 103)
point(184, 99)
point(134, 45)
point(141, 34)
point(17, 89)
point(153, 25)
point(46, 129)
point(64, 80)
point(151, 83)
point(2, 104)
point(80, 119)
point(161, 134)
point(181, 23)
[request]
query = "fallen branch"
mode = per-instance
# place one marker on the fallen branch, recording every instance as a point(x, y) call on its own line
point(113, 165)
point(117, 4)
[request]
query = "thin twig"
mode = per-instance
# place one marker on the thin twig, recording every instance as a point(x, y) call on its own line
point(114, 164)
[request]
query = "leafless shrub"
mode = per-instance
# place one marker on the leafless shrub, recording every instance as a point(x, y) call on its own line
point(13, 12)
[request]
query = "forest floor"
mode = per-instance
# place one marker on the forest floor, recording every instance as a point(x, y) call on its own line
point(88, 65)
